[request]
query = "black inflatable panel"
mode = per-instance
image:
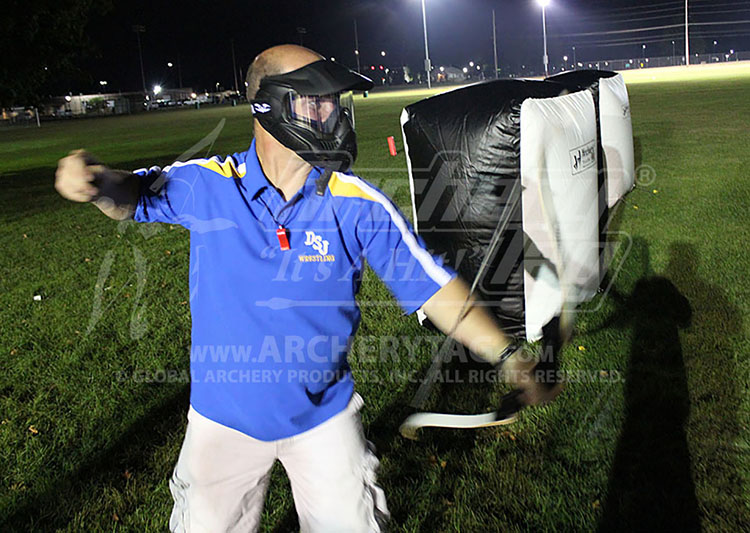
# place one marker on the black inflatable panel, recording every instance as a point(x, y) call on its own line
point(464, 155)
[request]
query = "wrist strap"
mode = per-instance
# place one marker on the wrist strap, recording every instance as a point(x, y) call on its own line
point(512, 348)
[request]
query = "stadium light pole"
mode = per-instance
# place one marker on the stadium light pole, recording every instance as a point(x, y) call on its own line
point(179, 73)
point(494, 40)
point(179, 70)
point(575, 65)
point(687, 37)
point(426, 48)
point(545, 57)
point(234, 68)
point(356, 46)
point(673, 53)
point(138, 29)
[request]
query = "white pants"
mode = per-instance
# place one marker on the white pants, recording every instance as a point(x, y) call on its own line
point(221, 477)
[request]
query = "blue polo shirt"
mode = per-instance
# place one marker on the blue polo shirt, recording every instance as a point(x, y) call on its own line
point(271, 328)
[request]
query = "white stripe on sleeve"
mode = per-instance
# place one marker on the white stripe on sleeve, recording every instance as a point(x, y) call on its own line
point(438, 274)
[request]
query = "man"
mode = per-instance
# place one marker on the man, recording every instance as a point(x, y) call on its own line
point(278, 238)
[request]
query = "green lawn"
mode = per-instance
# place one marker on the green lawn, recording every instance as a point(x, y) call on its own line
point(84, 447)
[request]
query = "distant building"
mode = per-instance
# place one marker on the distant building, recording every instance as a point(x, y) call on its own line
point(113, 103)
point(98, 104)
point(450, 74)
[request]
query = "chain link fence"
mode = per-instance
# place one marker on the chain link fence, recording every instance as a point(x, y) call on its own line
point(19, 116)
point(665, 61)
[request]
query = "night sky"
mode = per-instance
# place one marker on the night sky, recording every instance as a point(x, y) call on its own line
point(200, 34)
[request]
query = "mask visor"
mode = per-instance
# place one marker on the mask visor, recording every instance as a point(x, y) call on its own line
point(316, 113)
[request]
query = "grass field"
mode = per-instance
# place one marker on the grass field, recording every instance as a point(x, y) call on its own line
point(85, 447)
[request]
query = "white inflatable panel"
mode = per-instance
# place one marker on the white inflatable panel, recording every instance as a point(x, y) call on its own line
point(414, 219)
point(559, 201)
point(617, 137)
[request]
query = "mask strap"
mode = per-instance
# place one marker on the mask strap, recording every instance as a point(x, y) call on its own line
point(321, 184)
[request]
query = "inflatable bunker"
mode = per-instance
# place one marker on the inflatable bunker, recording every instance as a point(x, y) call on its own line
point(615, 126)
point(516, 159)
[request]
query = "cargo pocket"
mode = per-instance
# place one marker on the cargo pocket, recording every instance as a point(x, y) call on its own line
point(179, 520)
point(374, 495)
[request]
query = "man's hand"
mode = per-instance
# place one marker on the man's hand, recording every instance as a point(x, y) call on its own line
point(75, 176)
point(81, 178)
point(535, 381)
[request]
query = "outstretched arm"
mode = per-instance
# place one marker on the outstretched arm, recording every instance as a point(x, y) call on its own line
point(80, 178)
point(478, 331)
point(402, 260)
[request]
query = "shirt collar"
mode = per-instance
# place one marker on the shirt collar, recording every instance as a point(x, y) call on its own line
point(255, 180)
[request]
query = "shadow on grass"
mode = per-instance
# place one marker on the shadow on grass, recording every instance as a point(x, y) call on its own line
point(651, 485)
point(637, 151)
point(716, 391)
point(27, 193)
point(439, 454)
point(71, 493)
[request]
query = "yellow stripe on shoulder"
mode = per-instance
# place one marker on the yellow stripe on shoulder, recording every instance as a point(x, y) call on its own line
point(339, 187)
point(225, 168)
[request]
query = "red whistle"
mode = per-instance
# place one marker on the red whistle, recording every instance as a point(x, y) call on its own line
point(283, 239)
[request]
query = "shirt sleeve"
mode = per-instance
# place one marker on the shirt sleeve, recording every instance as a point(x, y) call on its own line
point(398, 255)
point(167, 195)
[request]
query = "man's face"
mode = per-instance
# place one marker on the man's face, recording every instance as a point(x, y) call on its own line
point(315, 112)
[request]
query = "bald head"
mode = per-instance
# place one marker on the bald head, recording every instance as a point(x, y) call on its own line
point(277, 60)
